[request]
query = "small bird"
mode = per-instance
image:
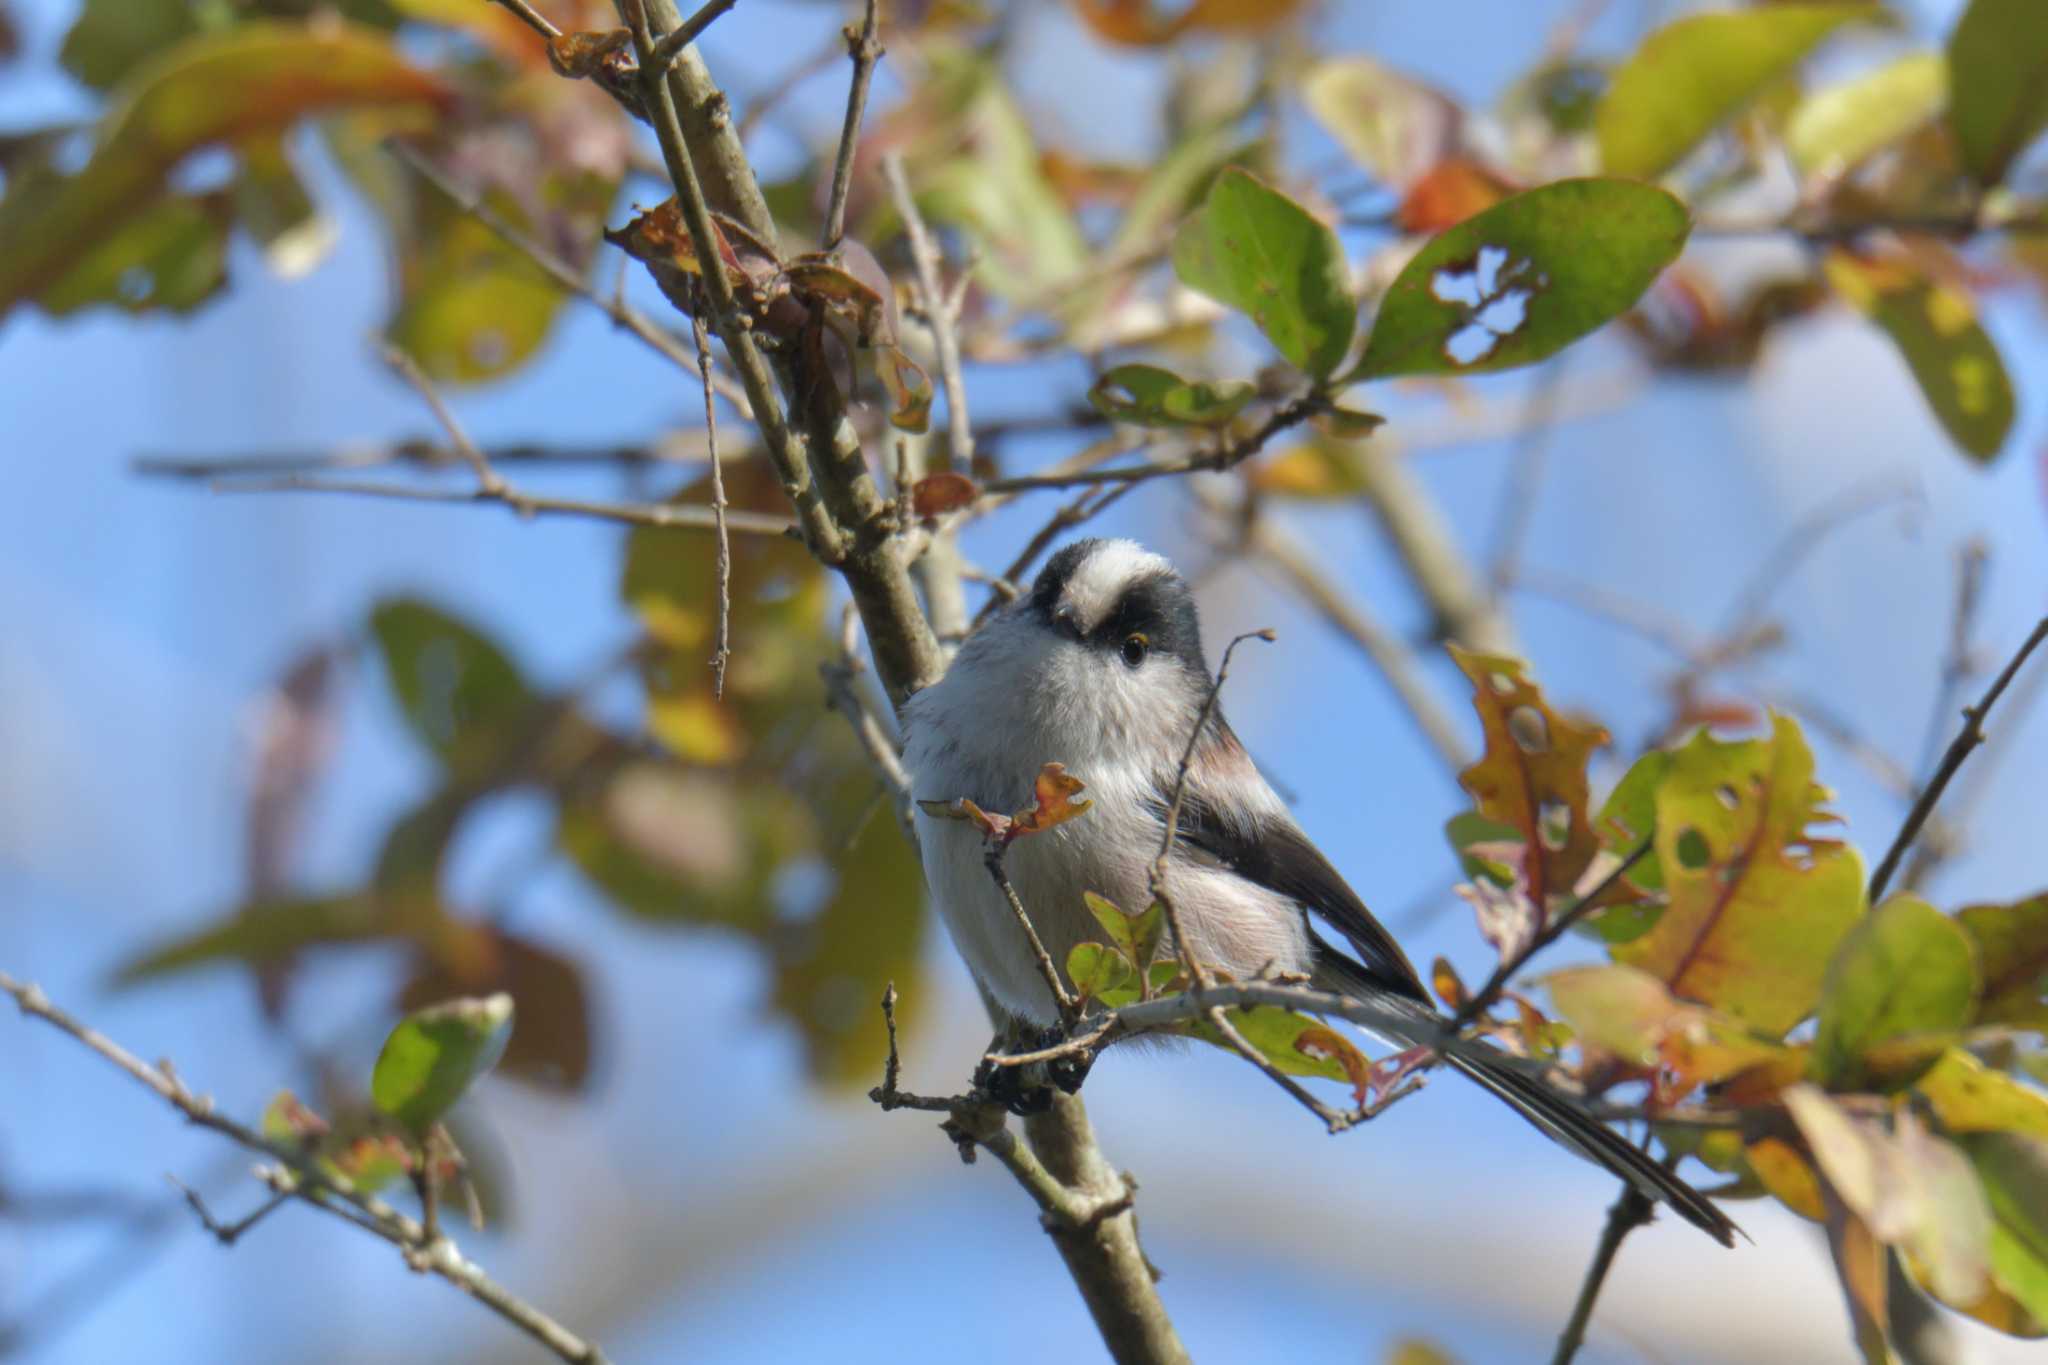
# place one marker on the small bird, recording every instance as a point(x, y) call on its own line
point(1101, 668)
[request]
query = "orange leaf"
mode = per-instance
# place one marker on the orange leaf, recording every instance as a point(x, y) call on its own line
point(1449, 989)
point(1447, 194)
point(943, 492)
point(1053, 791)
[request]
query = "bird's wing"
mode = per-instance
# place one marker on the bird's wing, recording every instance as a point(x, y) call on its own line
point(1265, 846)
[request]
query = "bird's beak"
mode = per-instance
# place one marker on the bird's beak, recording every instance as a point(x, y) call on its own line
point(1064, 617)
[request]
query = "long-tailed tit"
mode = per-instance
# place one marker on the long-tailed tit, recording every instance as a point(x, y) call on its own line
point(1101, 668)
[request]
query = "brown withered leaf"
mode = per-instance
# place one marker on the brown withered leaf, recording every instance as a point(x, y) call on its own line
point(910, 389)
point(582, 55)
point(1443, 978)
point(1448, 193)
point(1533, 773)
point(1053, 792)
point(936, 494)
point(1320, 1042)
point(660, 239)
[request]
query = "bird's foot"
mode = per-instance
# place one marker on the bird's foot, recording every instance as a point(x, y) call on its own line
point(1026, 1090)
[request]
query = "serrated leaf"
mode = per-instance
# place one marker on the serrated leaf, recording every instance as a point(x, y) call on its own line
point(1697, 72)
point(435, 1054)
point(1145, 395)
point(1532, 776)
point(1935, 327)
point(1998, 76)
point(1523, 280)
point(2012, 942)
point(1757, 901)
point(1904, 969)
point(206, 90)
point(1252, 248)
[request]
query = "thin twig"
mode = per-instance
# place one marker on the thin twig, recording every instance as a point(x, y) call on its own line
point(677, 450)
point(535, 20)
point(1070, 515)
point(1971, 735)
point(1483, 998)
point(561, 272)
point(1960, 662)
point(992, 858)
point(924, 255)
point(865, 50)
point(1801, 539)
point(1631, 1211)
point(227, 1234)
point(1215, 461)
point(525, 504)
point(671, 44)
point(299, 1177)
point(721, 649)
point(488, 483)
point(1518, 491)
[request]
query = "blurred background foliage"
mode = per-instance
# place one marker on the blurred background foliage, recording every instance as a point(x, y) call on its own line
point(168, 162)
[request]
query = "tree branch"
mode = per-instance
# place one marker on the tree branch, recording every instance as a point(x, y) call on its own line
point(1631, 1211)
point(1971, 735)
point(295, 1176)
point(865, 50)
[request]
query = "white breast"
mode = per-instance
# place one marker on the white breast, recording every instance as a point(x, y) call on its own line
point(1010, 705)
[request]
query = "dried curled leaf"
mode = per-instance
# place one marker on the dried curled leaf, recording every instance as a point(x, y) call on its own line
point(936, 494)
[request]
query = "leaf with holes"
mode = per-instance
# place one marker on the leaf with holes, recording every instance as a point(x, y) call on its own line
point(208, 90)
point(1251, 247)
point(1998, 81)
point(1147, 396)
point(1935, 327)
point(2012, 941)
point(1696, 73)
point(1757, 902)
point(1904, 969)
point(1532, 776)
point(1523, 280)
point(1509, 918)
point(434, 1056)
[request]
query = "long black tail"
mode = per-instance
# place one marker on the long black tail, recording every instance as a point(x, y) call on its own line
point(1555, 1115)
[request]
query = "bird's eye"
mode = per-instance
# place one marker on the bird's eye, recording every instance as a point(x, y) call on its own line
point(1135, 648)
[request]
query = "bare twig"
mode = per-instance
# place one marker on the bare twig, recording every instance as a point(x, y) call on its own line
point(488, 484)
point(924, 255)
point(1287, 415)
point(227, 1234)
point(672, 44)
point(865, 50)
point(1960, 661)
point(1428, 549)
point(1971, 735)
point(525, 504)
point(1070, 515)
point(721, 649)
point(1801, 539)
point(677, 450)
point(992, 858)
point(296, 1176)
point(1525, 476)
point(534, 19)
point(1631, 1211)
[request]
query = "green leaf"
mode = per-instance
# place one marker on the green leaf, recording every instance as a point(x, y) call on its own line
point(1147, 396)
point(2013, 943)
point(210, 89)
point(1136, 936)
point(1834, 130)
point(171, 255)
point(434, 1056)
point(1096, 969)
point(268, 931)
point(1757, 902)
point(1935, 328)
point(111, 37)
point(1629, 816)
point(1905, 969)
point(1251, 247)
point(1998, 76)
point(1524, 279)
point(1274, 1032)
point(458, 691)
point(552, 1048)
point(2014, 1170)
point(1468, 828)
point(1696, 73)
